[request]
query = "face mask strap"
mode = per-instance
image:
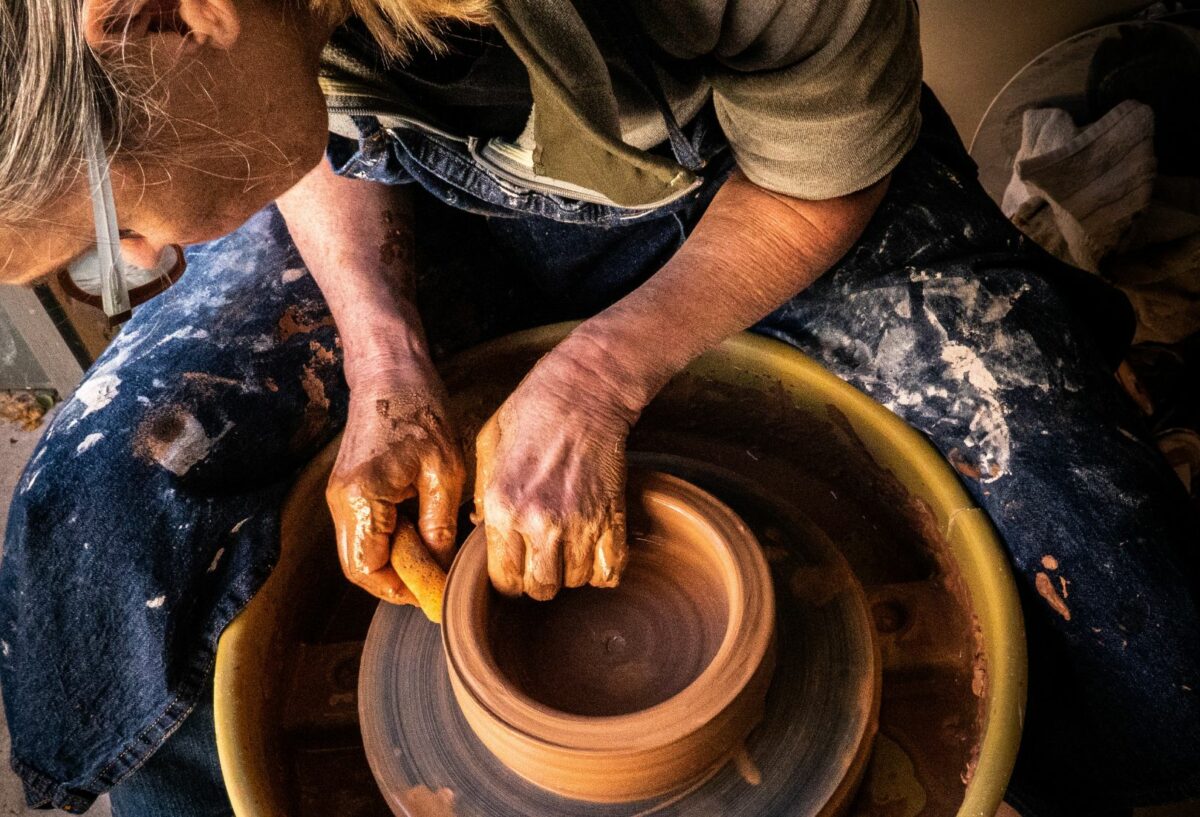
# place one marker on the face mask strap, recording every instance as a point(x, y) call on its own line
point(114, 291)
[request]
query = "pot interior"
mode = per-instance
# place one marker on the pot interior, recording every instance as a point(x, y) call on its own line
point(616, 651)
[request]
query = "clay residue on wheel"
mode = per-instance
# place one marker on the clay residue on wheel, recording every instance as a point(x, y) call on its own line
point(746, 767)
point(422, 801)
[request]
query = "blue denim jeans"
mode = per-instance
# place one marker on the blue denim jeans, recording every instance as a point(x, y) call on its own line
point(183, 778)
point(148, 515)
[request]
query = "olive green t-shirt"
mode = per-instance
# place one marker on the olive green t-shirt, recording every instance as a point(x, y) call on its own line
point(817, 99)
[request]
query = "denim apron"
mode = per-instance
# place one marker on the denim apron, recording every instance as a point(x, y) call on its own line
point(148, 515)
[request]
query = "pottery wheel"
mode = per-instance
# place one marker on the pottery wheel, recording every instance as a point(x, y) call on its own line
point(803, 760)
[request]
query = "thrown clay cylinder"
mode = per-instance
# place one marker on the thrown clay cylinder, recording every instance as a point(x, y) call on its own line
point(621, 694)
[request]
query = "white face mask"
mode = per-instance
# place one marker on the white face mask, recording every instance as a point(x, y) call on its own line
point(85, 272)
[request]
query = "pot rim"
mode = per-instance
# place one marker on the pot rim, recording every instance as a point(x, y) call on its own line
point(744, 646)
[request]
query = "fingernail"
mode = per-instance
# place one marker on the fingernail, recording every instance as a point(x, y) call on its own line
point(441, 538)
point(541, 592)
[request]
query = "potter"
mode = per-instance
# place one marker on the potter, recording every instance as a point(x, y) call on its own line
point(674, 172)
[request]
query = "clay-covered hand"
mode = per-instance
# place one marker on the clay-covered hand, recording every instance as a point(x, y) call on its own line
point(398, 444)
point(550, 480)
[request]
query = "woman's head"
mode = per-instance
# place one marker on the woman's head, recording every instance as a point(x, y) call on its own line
point(209, 109)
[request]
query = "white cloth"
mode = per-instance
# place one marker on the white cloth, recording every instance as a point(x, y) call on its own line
point(1077, 191)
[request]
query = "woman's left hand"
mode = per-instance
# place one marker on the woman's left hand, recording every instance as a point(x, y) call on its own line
point(550, 477)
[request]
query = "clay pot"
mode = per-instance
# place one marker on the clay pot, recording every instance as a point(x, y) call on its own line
point(628, 693)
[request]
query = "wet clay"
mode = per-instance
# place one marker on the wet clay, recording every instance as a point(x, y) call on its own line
point(935, 678)
point(422, 801)
point(627, 693)
point(598, 652)
point(1046, 590)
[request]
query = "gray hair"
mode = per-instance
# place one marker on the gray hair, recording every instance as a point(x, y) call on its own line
point(53, 93)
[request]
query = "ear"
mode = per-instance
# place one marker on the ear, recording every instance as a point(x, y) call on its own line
point(113, 24)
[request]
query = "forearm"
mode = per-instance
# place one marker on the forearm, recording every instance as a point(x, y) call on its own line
point(751, 252)
point(356, 239)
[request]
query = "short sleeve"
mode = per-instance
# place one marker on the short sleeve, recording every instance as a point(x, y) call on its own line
point(818, 100)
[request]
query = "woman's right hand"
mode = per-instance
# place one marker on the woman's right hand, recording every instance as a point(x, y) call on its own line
point(398, 444)
point(356, 238)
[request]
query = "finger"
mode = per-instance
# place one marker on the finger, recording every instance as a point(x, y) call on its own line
point(485, 451)
point(579, 555)
point(506, 559)
point(416, 567)
point(385, 585)
point(363, 528)
point(440, 492)
point(543, 573)
point(612, 552)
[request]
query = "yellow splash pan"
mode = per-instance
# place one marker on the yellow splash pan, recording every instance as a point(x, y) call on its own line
point(255, 646)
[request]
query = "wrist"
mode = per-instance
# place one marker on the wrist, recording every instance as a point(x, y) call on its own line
point(614, 368)
point(384, 348)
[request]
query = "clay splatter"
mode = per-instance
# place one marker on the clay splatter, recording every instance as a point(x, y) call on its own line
point(314, 388)
point(1049, 562)
point(212, 567)
point(89, 441)
point(962, 465)
point(317, 411)
point(978, 681)
point(989, 428)
point(321, 355)
point(1046, 588)
point(746, 766)
point(156, 602)
point(97, 392)
point(955, 335)
point(292, 275)
point(422, 801)
point(294, 322)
